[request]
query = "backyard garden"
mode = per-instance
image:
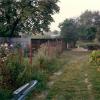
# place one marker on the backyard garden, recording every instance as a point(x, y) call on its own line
point(17, 69)
point(70, 75)
point(38, 63)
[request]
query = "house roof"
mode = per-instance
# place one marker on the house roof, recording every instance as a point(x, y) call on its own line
point(45, 37)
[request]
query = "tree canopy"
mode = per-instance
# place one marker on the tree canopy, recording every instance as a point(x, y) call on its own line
point(84, 27)
point(26, 16)
point(69, 30)
point(87, 23)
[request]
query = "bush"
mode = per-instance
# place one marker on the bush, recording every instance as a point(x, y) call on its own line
point(10, 71)
point(43, 66)
point(42, 78)
point(95, 57)
point(15, 73)
point(44, 61)
point(5, 95)
point(13, 68)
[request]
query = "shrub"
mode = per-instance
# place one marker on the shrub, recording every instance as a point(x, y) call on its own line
point(14, 73)
point(12, 68)
point(43, 65)
point(43, 61)
point(95, 57)
point(42, 78)
point(10, 71)
point(5, 95)
point(26, 74)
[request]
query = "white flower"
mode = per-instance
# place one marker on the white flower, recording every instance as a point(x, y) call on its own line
point(11, 45)
point(3, 60)
point(2, 45)
point(6, 45)
point(6, 48)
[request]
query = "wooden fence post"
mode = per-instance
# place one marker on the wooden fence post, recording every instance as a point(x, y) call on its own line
point(30, 53)
point(20, 55)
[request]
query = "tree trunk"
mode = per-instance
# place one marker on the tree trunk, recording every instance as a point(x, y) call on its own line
point(14, 27)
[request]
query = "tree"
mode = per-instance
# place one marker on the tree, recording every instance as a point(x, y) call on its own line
point(89, 23)
point(26, 16)
point(97, 24)
point(56, 32)
point(86, 33)
point(69, 30)
point(86, 18)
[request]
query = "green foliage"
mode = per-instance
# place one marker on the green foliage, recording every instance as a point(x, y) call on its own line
point(12, 67)
point(10, 71)
point(42, 78)
point(26, 16)
point(87, 18)
point(15, 73)
point(5, 94)
point(45, 61)
point(94, 74)
point(44, 65)
point(84, 27)
point(69, 30)
point(87, 33)
point(53, 65)
point(95, 57)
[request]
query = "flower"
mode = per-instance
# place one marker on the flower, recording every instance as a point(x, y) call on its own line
point(6, 45)
point(2, 45)
point(11, 45)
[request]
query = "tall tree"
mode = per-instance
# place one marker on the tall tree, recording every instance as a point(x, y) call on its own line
point(69, 30)
point(89, 23)
point(26, 16)
point(86, 33)
point(97, 24)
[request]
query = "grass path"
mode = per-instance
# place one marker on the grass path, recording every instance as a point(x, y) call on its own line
point(73, 83)
point(75, 80)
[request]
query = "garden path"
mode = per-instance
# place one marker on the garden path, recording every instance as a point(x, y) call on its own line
point(72, 81)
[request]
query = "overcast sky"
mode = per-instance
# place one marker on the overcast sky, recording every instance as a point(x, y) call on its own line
point(73, 8)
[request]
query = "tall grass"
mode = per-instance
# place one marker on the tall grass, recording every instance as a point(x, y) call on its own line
point(15, 73)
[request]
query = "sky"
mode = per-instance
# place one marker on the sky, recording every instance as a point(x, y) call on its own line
point(73, 8)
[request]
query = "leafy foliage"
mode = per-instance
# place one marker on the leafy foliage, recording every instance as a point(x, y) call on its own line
point(14, 73)
point(26, 16)
point(86, 24)
point(95, 57)
point(5, 94)
point(45, 61)
point(84, 27)
point(69, 30)
point(87, 33)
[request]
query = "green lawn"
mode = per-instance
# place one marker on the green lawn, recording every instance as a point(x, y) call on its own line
point(77, 80)
point(70, 85)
